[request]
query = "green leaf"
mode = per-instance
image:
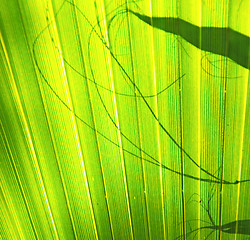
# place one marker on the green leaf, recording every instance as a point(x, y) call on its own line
point(124, 119)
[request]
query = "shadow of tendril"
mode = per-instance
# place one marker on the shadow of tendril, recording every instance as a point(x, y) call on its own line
point(241, 227)
point(129, 80)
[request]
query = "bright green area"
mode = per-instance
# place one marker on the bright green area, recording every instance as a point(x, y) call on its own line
point(112, 127)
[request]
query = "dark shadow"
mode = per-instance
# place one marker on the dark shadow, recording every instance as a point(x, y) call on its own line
point(222, 41)
point(239, 227)
point(235, 227)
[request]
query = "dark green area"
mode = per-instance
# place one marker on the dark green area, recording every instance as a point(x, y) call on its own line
point(222, 41)
point(235, 227)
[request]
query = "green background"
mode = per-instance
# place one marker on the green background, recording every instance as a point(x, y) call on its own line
point(102, 117)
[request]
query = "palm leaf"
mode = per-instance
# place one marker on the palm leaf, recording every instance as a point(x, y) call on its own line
point(124, 120)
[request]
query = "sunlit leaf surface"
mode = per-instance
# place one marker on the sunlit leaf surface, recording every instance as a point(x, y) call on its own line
point(124, 119)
